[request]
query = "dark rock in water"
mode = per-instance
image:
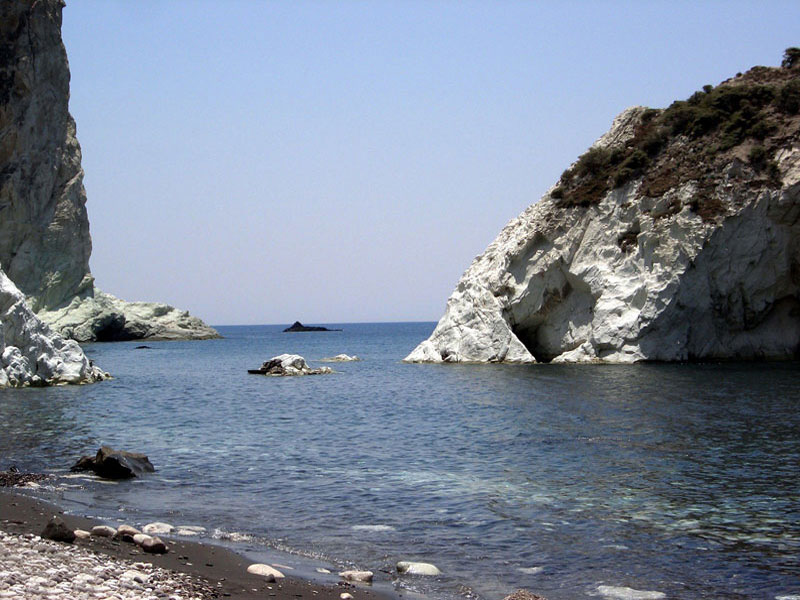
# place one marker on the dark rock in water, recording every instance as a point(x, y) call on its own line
point(58, 531)
point(154, 545)
point(143, 348)
point(298, 326)
point(115, 464)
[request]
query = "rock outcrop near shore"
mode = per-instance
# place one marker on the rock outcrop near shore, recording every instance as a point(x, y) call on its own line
point(30, 353)
point(675, 237)
point(44, 227)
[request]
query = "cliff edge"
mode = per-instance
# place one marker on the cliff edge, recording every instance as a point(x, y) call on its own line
point(675, 237)
point(44, 227)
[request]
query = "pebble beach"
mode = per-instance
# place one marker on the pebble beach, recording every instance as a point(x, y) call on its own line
point(98, 567)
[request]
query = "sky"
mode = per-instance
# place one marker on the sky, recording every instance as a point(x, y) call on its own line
point(332, 162)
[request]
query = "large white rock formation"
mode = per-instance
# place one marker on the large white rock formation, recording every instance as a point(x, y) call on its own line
point(633, 277)
point(30, 353)
point(44, 228)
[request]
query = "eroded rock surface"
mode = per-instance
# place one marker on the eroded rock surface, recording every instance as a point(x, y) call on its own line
point(31, 353)
point(288, 365)
point(44, 227)
point(696, 258)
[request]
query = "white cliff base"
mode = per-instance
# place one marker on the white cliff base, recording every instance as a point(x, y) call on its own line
point(30, 353)
point(632, 278)
point(105, 318)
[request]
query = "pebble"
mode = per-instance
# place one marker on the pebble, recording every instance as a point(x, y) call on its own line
point(36, 569)
point(346, 596)
point(82, 534)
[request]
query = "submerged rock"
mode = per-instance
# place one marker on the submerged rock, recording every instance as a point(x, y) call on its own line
point(115, 464)
point(659, 243)
point(288, 365)
point(523, 595)
point(626, 593)
point(341, 358)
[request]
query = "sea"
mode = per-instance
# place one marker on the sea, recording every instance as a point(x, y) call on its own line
point(629, 482)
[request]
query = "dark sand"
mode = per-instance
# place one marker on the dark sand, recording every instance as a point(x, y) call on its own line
point(225, 570)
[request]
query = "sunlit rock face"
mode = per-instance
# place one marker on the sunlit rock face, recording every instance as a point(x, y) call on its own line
point(707, 267)
point(44, 227)
point(30, 353)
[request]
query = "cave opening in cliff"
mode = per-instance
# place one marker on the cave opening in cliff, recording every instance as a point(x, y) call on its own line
point(114, 330)
point(529, 336)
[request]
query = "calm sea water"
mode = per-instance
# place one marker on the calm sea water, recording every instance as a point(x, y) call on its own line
point(572, 481)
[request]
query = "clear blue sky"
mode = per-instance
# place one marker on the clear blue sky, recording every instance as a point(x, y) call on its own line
point(261, 162)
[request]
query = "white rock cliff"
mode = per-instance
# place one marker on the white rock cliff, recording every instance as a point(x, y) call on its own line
point(30, 353)
point(636, 277)
point(44, 228)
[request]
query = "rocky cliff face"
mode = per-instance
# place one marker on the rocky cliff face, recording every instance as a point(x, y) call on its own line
point(44, 228)
point(675, 237)
point(30, 353)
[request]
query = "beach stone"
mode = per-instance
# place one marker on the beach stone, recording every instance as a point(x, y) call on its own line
point(523, 595)
point(58, 531)
point(103, 531)
point(346, 596)
point(154, 545)
point(82, 534)
point(270, 573)
point(363, 576)
point(115, 464)
point(140, 538)
point(323, 571)
point(157, 528)
point(126, 533)
point(405, 567)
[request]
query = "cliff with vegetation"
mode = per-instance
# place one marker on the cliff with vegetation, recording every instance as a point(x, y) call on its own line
point(676, 236)
point(44, 227)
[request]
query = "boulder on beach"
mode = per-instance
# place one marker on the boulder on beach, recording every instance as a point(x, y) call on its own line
point(115, 464)
point(288, 365)
point(103, 531)
point(58, 531)
point(153, 545)
point(126, 533)
point(405, 567)
point(270, 573)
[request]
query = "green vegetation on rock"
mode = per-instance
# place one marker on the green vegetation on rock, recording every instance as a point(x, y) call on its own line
point(745, 118)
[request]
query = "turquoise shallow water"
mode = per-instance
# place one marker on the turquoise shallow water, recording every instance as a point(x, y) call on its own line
point(682, 479)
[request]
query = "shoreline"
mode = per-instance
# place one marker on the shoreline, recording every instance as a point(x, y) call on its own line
point(222, 569)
